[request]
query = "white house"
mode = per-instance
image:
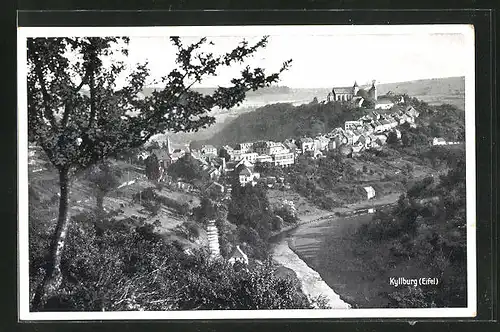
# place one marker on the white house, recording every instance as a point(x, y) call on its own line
point(264, 159)
point(370, 192)
point(384, 104)
point(208, 150)
point(438, 141)
point(249, 156)
point(238, 256)
point(284, 159)
point(245, 147)
point(247, 176)
point(351, 125)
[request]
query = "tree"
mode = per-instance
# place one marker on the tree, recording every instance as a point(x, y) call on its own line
point(152, 167)
point(79, 116)
point(392, 138)
point(187, 168)
point(103, 178)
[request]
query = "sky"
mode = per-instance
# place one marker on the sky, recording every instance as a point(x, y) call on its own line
point(326, 60)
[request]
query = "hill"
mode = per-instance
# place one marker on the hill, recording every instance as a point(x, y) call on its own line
point(234, 125)
point(283, 120)
point(436, 91)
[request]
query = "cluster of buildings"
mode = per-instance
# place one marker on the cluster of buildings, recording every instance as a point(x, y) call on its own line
point(369, 132)
point(357, 96)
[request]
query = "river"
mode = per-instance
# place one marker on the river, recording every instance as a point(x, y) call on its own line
point(321, 255)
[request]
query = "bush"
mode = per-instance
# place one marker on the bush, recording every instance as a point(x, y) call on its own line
point(132, 268)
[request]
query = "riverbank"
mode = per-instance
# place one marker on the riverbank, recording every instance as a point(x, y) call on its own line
point(300, 248)
point(312, 285)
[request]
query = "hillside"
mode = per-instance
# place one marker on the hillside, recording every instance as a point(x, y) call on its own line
point(281, 121)
point(437, 91)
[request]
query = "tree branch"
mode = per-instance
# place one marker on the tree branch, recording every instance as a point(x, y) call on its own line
point(46, 97)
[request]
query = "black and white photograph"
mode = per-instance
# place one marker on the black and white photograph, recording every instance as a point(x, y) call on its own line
point(232, 172)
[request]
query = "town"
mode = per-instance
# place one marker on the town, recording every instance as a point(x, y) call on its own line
point(368, 132)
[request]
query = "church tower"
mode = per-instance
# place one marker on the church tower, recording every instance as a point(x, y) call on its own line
point(373, 91)
point(355, 89)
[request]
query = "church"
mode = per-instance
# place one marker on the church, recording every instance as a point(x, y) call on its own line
point(352, 93)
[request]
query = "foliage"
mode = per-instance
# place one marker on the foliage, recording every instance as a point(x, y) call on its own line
point(103, 178)
point(152, 167)
point(152, 201)
point(282, 121)
point(133, 268)
point(188, 168)
point(249, 209)
point(429, 233)
point(78, 115)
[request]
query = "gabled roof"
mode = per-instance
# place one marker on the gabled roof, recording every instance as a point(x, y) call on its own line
point(246, 172)
point(346, 90)
point(384, 100)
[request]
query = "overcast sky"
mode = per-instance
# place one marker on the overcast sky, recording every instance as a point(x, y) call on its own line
point(328, 60)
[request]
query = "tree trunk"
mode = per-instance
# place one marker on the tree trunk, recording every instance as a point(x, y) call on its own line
point(53, 277)
point(100, 202)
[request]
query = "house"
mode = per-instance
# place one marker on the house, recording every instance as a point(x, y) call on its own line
point(215, 187)
point(247, 176)
point(384, 103)
point(306, 144)
point(214, 173)
point(350, 125)
point(184, 185)
point(209, 150)
point(368, 128)
point(358, 147)
point(264, 159)
point(291, 146)
point(236, 154)
point(249, 156)
point(381, 139)
point(350, 137)
point(141, 156)
point(283, 158)
point(245, 147)
point(438, 141)
point(332, 144)
point(340, 139)
point(245, 163)
point(366, 118)
point(238, 256)
point(321, 143)
point(268, 147)
point(378, 126)
point(370, 192)
point(398, 133)
point(412, 112)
